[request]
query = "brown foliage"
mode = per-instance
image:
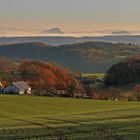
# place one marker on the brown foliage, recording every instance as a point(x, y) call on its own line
point(46, 76)
point(111, 93)
point(7, 65)
point(137, 91)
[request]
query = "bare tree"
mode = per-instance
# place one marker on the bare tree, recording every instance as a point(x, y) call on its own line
point(137, 91)
point(111, 93)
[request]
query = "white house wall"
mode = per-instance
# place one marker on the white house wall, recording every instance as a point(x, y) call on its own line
point(29, 91)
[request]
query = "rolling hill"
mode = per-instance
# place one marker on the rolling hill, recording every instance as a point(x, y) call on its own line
point(60, 40)
point(84, 57)
point(47, 40)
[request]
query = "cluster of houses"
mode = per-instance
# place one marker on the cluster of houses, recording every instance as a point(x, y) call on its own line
point(19, 87)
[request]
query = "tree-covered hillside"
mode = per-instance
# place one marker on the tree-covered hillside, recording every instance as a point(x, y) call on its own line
point(124, 72)
point(83, 57)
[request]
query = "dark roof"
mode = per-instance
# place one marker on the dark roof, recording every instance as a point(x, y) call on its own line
point(21, 85)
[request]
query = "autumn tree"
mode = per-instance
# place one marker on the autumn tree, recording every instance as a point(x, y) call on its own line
point(46, 76)
point(7, 65)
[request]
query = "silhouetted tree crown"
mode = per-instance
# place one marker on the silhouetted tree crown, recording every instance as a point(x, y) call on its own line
point(124, 72)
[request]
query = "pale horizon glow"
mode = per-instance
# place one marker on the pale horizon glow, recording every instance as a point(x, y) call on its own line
point(74, 17)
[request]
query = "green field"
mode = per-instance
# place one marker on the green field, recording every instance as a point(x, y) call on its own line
point(25, 117)
point(98, 75)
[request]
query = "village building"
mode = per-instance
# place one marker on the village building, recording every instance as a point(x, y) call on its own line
point(20, 88)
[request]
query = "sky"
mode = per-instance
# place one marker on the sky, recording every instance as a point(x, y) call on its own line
point(69, 15)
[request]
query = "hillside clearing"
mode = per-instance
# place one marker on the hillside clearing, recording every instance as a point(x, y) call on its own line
point(98, 75)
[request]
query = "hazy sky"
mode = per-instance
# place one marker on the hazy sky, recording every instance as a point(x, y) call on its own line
point(70, 15)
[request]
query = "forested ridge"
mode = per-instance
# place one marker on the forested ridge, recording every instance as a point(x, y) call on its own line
point(84, 57)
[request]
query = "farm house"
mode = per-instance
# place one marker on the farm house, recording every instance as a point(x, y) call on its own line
point(20, 88)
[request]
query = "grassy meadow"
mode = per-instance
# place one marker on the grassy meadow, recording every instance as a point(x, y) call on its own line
point(98, 75)
point(30, 117)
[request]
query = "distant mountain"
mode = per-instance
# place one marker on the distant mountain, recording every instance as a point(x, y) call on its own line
point(57, 40)
point(83, 57)
point(120, 33)
point(54, 31)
